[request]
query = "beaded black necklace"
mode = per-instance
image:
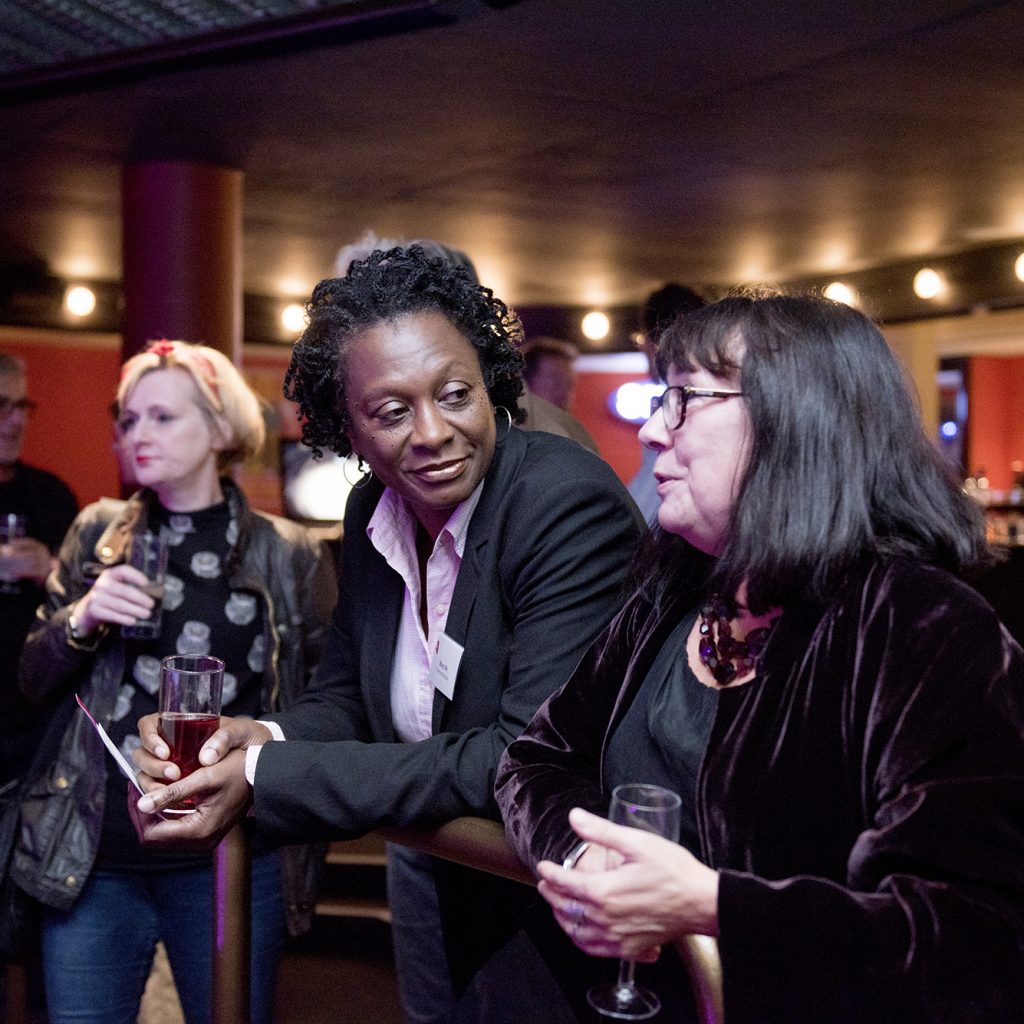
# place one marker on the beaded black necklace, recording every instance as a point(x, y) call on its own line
point(725, 657)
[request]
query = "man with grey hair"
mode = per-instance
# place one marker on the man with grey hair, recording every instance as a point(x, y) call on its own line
point(46, 507)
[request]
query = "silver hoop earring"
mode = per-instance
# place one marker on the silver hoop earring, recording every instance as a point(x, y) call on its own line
point(502, 408)
point(363, 468)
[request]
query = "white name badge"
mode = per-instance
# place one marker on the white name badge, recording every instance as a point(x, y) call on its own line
point(444, 666)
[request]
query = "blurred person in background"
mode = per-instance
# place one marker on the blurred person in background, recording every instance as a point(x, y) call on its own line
point(659, 310)
point(549, 374)
point(47, 507)
point(252, 589)
point(550, 369)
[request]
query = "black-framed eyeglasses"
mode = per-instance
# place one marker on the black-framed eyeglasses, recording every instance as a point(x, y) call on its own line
point(25, 405)
point(672, 402)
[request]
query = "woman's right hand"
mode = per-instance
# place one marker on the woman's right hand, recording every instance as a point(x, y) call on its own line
point(232, 734)
point(220, 789)
point(115, 598)
point(658, 892)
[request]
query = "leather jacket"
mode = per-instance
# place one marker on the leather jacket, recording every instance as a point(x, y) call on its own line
point(62, 814)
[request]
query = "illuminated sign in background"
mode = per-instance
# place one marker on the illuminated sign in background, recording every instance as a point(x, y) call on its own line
point(632, 401)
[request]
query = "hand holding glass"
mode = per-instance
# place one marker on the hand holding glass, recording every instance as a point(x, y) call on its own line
point(654, 809)
point(190, 694)
point(12, 526)
point(148, 554)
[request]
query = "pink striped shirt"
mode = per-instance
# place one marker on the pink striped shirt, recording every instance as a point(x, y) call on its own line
point(392, 531)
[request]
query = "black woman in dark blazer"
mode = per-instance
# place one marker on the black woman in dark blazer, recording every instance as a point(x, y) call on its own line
point(522, 538)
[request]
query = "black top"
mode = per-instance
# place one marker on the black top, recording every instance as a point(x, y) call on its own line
point(662, 737)
point(201, 615)
point(50, 507)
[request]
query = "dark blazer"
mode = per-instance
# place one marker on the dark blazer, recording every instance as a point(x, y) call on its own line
point(862, 798)
point(541, 575)
point(542, 571)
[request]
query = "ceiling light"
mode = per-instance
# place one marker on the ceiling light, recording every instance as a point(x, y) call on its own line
point(595, 325)
point(839, 292)
point(293, 317)
point(928, 283)
point(1018, 267)
point(79, 300)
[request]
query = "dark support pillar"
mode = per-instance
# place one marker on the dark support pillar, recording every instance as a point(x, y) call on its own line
point(231, 929)
point(182, 279)
point(182, 252)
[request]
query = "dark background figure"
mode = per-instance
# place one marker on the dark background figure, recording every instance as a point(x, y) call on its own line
point(49, 507)
point(550, 377)
point(659, 310)
point(550, 369)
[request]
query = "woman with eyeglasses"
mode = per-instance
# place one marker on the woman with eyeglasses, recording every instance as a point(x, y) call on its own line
point(842, 716)
point(254, 590)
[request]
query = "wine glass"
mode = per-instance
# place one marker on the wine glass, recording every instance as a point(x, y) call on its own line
point(654, 809)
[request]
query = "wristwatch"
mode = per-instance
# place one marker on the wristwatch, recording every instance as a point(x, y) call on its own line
point(75, 631)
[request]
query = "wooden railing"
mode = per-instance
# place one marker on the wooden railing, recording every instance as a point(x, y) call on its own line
point(476, 842)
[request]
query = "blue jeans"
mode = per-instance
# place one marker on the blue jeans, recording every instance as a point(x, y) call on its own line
point(97, 956)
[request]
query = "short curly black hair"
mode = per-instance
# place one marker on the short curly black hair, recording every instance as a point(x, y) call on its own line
point(384, 287)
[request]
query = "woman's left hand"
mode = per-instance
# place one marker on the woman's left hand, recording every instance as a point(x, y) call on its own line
point(222, 796)
point(658, 893)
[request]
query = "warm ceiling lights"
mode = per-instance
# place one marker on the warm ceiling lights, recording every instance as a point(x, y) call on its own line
point(293, 317)
point(79, 300)
point(839, 292)
point(1018, 267)
point(595, 326)
point(928, 283)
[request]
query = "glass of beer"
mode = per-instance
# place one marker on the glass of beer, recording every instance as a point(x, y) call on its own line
point(12, 526)
point(190, 694)
point(148, 554)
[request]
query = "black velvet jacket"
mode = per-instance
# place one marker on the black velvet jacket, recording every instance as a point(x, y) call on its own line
point(862, 797)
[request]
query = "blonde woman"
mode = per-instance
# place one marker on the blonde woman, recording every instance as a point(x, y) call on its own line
point(256, 591)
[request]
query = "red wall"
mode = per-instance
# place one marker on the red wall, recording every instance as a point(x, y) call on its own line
point(616, 440)
point(74, 380)
point(996, 416)
point(70, 433)
point(74, 377)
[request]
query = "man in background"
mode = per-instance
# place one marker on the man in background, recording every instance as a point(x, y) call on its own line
point(660, 309)
point(550, 369)
point(48, 507)
point(550, 377)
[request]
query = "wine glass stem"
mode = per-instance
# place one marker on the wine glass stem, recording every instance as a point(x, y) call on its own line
point(626, 969)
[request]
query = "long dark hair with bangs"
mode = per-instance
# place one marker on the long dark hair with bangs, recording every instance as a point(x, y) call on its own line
point(840, 466)
point(384, 287)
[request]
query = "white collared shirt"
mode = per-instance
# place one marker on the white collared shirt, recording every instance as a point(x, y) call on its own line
point(392, 531)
